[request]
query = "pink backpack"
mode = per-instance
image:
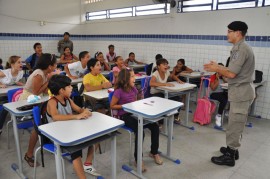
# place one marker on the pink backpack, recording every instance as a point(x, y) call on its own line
point(17, 95)
point(205, 107)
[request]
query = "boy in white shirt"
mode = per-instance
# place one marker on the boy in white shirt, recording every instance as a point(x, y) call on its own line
point(77, 69)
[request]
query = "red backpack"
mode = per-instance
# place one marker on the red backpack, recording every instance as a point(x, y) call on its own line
point(205, 107)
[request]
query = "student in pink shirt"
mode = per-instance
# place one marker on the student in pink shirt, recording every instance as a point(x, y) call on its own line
point(119, 66)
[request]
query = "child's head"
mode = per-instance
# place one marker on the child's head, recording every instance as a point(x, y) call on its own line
point(111, 48)
point(162, 65)
point(38, 48)
point(131, 56)
point(125, 80)
point(158, 56)
point(119, 61)
point(94, 66)
point(99, 56)
point(66, 36)
point(84, 56)
point(67, 51)
point(180, 63)
point(46, 61)
point(14, 62)
point(60, 85)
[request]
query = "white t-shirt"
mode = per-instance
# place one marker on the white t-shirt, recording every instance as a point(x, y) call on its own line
point(159, 80)
point(9, 79)
point(76, 69)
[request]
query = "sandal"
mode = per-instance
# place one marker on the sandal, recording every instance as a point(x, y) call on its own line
point(143, 166)
point(177, 121)
point(30, 161)
point(157, 158)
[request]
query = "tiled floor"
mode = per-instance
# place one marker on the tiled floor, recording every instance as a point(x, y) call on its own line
point(193, 148)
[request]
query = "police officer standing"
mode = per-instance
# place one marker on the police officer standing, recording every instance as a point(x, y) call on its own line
point(240, 90)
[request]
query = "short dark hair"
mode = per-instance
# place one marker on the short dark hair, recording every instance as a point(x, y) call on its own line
point(1, 61)
point(116, 58)
point(66, 33)
point(182, 61)
point(123, 80)
point(45, 60)
point(58, 82)
point(162, 61)
point(111, 46)
point(36, 44)
point(158, 56)
point(131, 53)
point(91, 63)
point(83, 54)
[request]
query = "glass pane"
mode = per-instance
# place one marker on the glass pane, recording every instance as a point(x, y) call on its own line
point(236, 5)
point(199, 8)
point(142, 13)
point(121, 15)
point(156, 6)
point(196, 2)
point(97, 17)
point(121, 10)
point(97, 13)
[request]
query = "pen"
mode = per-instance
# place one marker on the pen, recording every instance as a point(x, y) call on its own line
point(148, 104)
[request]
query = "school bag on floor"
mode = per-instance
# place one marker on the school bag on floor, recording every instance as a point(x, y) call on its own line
point(205, 108)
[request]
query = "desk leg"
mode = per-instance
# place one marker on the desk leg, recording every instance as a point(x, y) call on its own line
point(58, 162)
point(187, 113)
point(140, 141)
point(17, 169)
point(113, 146)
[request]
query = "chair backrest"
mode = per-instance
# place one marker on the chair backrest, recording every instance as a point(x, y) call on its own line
point(111, 76)
point(148, 69)
point(12, 92)
point(145, 84)
point(36, 115)
point(114, 112)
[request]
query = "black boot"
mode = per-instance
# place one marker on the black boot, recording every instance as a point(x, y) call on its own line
point(227, 159)
point(223, 150)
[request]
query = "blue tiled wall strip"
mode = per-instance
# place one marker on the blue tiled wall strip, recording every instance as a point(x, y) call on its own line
point(169, 38)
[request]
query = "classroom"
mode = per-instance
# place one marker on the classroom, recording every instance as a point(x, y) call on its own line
point(123, 89)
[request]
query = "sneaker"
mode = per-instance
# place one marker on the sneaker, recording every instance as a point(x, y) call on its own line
point(91, 170)
point(218, 120)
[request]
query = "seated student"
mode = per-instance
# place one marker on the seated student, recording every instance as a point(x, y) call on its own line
point(68, 56)
point(103, 63)
point(94, 80)
point(131, 60)
point(77, 69)
point(31, 61)
point(37, 84)
point(119, 66)
point(218, 94)
point(12, 75)
point(160, 78)
point(180, 68)
point(1, 66)
point(126, 92)
point(60, 108)
point(158, 56)
point(111, 55)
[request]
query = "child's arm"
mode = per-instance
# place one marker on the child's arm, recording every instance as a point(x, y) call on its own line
point(140, 63)
point(76, 108)
point(19, 83)
point(154, 83)
point(76, 58)
point(114, 104)
point(37, 86)
point(106, 66)
point(175, 77)
point(62, 61)
point(188, 70)
point(68, 73)
point(52, 110)
point(126, 62)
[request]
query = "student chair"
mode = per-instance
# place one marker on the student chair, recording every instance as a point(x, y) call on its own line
point(24, 122)
point(148, 69)
point(44, 145)
point(130, 131)
point(111, 76)
point(145, 84)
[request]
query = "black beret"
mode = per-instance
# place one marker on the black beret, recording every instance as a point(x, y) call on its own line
point(238, 25)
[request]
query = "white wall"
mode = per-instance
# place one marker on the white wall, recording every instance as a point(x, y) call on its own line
point(18, 16)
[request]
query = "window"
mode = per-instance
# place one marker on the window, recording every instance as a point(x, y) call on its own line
point(92, 1)
point(212, 5)
point(195, 5)
point(235, 4)
point(129, 12)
